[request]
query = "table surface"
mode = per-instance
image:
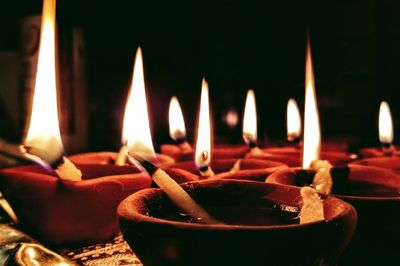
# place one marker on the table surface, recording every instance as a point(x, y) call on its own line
point(112, 253)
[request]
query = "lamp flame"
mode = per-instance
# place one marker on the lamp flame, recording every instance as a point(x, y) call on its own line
point(43, 129)
point(385, 124)
point(136, 129)
point(250, 119)
point(231, 118)
point(293, 120)
point(203, 143)
point(177, 129)
point(312, 134)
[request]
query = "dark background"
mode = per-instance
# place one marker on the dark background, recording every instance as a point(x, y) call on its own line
point(236, 45)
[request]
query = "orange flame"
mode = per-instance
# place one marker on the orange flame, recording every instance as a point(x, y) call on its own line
point(312, 134)
point(43, 130)
point(231, 118)
point(385, 124)
point(136, 129)
point(293, 120)
point(250, 119)
point(177, 129)
point(203, 144)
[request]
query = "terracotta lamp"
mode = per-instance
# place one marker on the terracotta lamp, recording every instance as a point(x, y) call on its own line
point(70, 212)
point(259, 226)
point(374, 192)
point(387, 156)
point(292, 154)
point(385, 126)
point(182, 151)
point(204, 167)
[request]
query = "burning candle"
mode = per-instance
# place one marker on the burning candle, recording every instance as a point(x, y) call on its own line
point(293, 122)
point(203, 144)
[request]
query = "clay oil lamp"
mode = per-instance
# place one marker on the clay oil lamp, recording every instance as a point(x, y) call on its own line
point(388, 155)
point(56, 201)
point(136, 124)
point(374, 192)
point(259, 224)
point(181, 150)
point(291, 154)
point(203, 167)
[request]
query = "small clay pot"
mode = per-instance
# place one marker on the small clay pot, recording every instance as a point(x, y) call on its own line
point(159, 240)
point(107, 157)
point(250, 169)
point(70, 212)
point(292, 156)
point(218, 152)
point(374, 192)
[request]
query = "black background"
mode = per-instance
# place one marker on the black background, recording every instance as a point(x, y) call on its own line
point(236, 45)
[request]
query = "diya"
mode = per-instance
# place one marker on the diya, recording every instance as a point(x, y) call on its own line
point(59, 202)
point(259, 226)
point(374, 192)
point(70, 212)
point(292, 154)
point(182, 151)
point(387, 156)
point(203, 167)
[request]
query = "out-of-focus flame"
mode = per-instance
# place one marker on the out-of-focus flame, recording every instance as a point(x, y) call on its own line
point(177, 129)
point(43, 130)
point(136, 129)
point(231, 118)
point(385, 124)
point(203, 143)
point(250, 119)
point(312, 134)
point(293, 120)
